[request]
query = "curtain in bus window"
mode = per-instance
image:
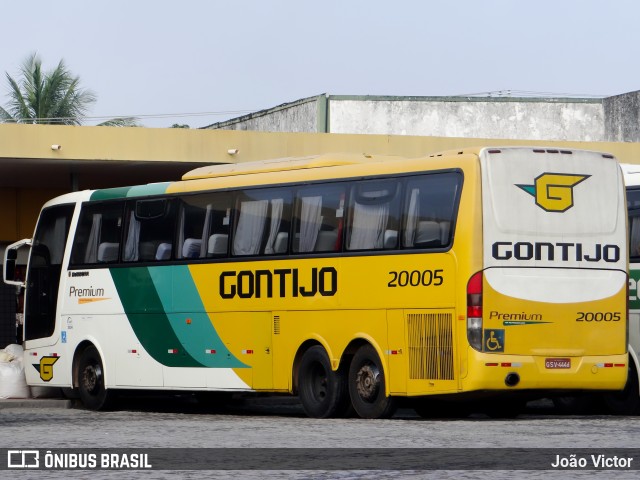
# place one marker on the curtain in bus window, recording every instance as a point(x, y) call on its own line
point(133, 238)
point(205, 230)
point(181, 231)
point(634, 241)
point(413, 213)
point(369, 224)
point(250, 229)
point(276, 218)
point(310, 222)
point(91, 253)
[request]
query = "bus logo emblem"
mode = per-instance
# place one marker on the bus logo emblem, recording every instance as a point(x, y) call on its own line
point(554, 191)
point(45, 368)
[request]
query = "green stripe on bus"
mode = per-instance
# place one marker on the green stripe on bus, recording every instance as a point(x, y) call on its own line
point(127, 192)
point(150, 189)
point(148, 319)
point(192, 325)
point(110, 193)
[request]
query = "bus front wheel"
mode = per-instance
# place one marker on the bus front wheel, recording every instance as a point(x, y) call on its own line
point(90, 379)
point(322, 391)
point(367, 386)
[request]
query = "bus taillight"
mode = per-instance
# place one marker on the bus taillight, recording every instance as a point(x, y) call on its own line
point(474, 311)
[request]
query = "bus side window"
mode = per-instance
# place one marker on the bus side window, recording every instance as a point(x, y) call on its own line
point(279, 223)
point(430, 208)
point(217, 225)
point(319, 219)
point(191, 221)
point(150, 230)
point(204, 225)
point(263, 222)
point(252, 218)
point(374, 213)
point(97, 237)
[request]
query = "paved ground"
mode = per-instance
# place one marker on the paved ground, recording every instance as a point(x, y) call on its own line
point(265, 422)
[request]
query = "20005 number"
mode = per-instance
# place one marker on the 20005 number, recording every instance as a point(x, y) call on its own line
point(416, 278)
point(598, 317)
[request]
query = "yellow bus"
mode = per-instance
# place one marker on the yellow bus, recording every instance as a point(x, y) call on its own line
point(351, 281)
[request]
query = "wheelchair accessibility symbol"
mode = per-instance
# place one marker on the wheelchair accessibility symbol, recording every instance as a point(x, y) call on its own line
point(494, 340)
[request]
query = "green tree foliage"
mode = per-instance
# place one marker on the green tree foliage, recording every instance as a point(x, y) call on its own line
point(54, 97)
point(120, 122)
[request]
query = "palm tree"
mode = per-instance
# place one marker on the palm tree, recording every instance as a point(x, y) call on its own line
point(54, 97)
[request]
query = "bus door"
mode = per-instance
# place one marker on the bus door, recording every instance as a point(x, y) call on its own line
point(43, 274)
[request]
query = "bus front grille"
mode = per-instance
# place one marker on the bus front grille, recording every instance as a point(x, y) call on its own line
point(430, 346)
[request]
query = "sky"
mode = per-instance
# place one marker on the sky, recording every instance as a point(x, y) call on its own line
point(198, 62)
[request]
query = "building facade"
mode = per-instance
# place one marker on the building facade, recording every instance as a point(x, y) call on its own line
point(610, 119)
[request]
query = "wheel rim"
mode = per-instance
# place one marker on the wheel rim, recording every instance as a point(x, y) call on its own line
point(91, 378)
point(368, 381)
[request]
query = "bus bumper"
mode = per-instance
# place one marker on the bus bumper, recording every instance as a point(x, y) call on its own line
point(519, 372)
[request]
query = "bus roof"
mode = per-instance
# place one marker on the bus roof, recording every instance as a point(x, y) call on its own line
point(282, 164)
point(537, 149)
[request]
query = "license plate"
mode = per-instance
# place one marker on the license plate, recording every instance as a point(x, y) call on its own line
point(557, 363)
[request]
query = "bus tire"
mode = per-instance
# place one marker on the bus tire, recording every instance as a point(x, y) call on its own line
point(367, 386)
point(90, 379)
point(322, 391)
point(626, 402)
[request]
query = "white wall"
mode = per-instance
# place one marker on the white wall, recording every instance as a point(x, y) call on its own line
point(529, 120)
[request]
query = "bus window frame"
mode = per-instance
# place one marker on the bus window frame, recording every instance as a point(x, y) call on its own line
point(177, 200)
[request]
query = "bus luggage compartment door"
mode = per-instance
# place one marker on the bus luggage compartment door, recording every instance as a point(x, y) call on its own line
point(427, 363)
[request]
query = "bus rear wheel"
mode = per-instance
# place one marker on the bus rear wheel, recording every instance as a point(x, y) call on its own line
point(322, 391)
point(90, 378)
point(367, 387)
point(626, 402)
